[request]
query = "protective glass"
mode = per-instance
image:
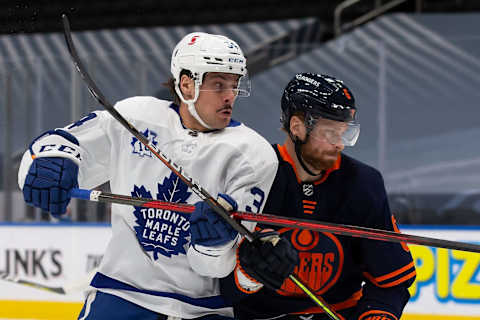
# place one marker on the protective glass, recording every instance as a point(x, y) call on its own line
point(336, 132)
point(222, 85)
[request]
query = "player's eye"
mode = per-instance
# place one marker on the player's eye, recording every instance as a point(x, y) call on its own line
point(329, 133)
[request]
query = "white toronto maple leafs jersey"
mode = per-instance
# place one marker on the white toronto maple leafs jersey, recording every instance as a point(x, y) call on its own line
point(146, 261)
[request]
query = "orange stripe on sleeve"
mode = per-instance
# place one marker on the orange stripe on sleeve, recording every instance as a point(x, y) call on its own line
point(396, 272)
point(402, 279)
point(393, 283)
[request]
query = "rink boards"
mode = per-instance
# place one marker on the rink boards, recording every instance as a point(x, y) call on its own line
point(447, 286)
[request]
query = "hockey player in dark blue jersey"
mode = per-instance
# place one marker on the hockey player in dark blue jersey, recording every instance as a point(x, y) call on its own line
point(361, 279)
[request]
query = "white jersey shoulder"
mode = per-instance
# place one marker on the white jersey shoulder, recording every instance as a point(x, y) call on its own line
point(144, 108)
point(248, 142)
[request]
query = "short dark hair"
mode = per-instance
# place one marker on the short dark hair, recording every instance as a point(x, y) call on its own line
point(170, 84)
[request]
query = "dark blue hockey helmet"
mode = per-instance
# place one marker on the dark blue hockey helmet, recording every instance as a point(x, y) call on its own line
point(316, 95)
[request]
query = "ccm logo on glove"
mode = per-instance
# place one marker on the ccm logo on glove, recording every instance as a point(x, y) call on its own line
point(60, 148)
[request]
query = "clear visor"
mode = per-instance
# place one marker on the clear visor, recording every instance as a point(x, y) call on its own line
point(345, 133)
point(226, 83)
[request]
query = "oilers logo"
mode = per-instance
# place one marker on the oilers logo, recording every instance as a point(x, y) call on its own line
point(321, 260)
point(162, 231)
point(138, 147)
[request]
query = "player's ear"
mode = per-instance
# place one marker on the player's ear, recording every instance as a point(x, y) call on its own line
point(187, 87)
point(297, 127)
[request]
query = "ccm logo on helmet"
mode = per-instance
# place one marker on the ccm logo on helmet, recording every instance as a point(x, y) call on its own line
point(192, 41)
point(235, 60)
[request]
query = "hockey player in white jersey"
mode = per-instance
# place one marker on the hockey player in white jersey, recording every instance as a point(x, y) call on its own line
point(148, 268)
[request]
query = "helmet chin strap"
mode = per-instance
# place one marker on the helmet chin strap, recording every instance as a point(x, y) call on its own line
point(194, 113)
point(298, 151)
point(191, 104)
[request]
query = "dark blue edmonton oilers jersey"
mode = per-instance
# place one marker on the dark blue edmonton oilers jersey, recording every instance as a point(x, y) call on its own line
point(334, 266)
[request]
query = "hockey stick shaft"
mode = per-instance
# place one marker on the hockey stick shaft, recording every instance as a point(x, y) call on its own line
point(347, 230)
point(71, 287)
point(176, 169)
point(36, 285)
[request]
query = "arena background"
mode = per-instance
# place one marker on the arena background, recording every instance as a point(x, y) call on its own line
point(412, 65)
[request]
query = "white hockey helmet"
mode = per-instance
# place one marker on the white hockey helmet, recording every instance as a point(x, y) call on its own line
point(199, 53)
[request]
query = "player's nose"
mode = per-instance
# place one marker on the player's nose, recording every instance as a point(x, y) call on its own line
point(229, 95)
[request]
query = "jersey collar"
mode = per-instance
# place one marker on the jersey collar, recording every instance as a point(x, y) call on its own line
point(287, 158)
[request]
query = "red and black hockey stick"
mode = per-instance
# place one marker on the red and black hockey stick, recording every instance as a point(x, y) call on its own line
point(176, 169)
point(269, 219)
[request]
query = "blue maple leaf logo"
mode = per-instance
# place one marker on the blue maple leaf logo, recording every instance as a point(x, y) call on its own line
point(173, 189)
point(162, 231)
point(139, 148)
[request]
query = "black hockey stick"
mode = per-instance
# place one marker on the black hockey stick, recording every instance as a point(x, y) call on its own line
point(269, 219)
point(176, 169)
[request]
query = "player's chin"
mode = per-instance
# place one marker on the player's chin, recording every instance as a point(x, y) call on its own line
point(221, 123)
point(224, 118)
point(328, 161)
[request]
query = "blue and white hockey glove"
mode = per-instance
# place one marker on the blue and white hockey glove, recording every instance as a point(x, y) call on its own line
point(49, 182)
point(209, 229)
point(268, 259)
